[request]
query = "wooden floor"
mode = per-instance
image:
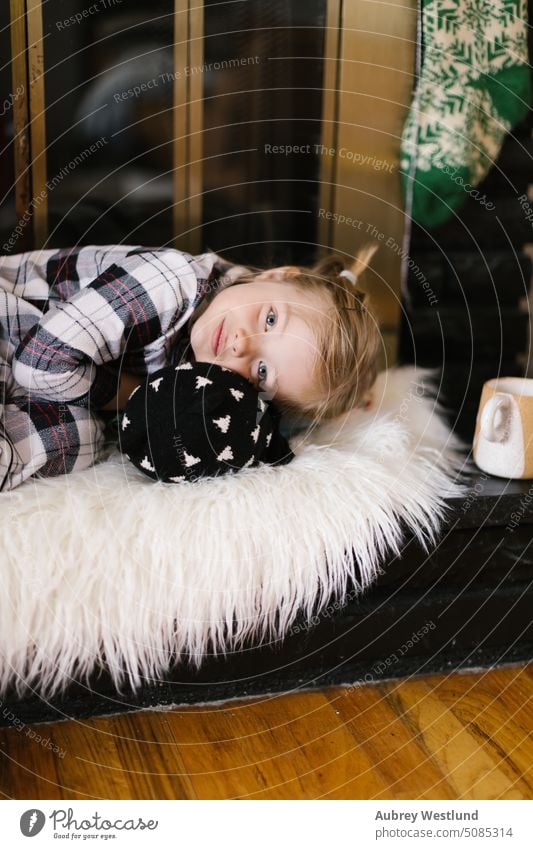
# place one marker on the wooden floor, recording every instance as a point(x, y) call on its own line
point(465, 736)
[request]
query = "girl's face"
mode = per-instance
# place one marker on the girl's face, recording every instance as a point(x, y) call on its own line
point(257, 330)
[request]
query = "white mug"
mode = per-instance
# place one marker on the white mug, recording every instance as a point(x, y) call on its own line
point(503, 442)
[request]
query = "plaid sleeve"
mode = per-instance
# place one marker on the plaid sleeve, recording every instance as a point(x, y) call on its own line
point(71, 354)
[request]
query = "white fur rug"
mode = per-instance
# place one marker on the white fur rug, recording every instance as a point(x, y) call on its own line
point(105, 565)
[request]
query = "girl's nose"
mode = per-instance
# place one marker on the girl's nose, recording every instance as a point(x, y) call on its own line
point(240, 344)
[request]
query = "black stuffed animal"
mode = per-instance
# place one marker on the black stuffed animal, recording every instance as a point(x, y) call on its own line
point(198, 420)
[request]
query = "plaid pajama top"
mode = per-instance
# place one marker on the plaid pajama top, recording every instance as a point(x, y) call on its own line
point(70, 321)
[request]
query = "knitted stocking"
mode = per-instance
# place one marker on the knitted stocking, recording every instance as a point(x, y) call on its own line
point(474, 86)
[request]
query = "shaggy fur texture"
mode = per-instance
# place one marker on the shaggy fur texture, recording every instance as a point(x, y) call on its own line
point(105, 566)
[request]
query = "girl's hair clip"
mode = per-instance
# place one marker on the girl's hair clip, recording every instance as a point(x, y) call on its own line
point(349, 276)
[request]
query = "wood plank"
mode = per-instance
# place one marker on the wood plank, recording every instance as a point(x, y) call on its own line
point(441, 737)
point(497, 708)
point(21, 139)
point(180, 121)
point(391, 746)
point(30, 771)
point(188, 125)
point(287, 747)
point(34, 17)
point(91, 766)
point(474, 769)
point(328, 134)
point(196, 126)
point(129, 757)
point(376, 87)
point(155, 765)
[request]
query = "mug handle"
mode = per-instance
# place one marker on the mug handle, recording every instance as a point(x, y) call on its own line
point(499, 403)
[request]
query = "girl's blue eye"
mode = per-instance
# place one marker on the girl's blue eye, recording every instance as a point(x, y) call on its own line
point(262, 369)
point(273, 314)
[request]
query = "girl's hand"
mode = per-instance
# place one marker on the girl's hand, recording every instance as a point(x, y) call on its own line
point(126, 385)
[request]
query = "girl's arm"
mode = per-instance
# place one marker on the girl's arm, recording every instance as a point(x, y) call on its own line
point(67, 355)
point(46, 439)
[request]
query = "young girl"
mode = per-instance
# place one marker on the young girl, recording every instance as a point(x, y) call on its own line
point(81, 328)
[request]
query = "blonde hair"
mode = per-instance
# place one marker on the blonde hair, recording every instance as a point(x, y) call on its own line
point(347, 337)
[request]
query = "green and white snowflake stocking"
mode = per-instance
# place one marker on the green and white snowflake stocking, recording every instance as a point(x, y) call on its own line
point(473, 88)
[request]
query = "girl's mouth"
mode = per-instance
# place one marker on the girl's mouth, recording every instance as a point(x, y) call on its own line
point(216, 338)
